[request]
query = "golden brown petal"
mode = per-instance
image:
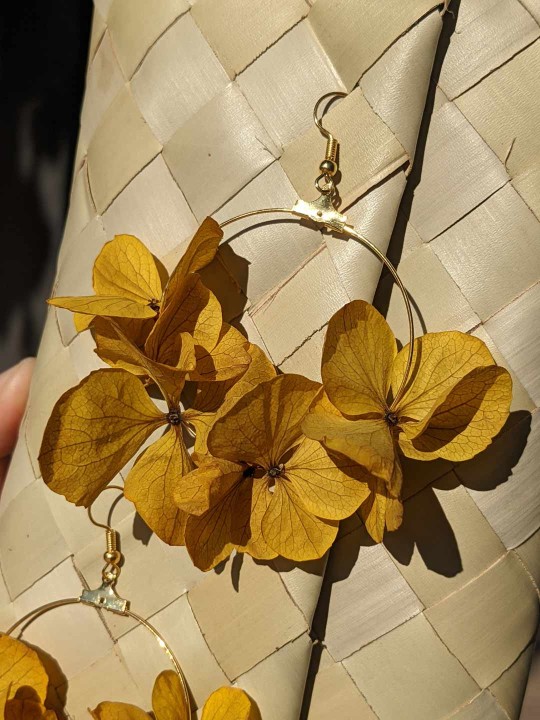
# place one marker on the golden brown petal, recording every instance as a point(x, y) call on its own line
point(265, 423)
point(466, 421)
point(193, 309)
point(200, 252)
point(94, 429)
point(152, 482)
point(358, 353)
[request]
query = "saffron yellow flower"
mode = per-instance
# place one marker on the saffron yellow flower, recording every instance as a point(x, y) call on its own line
point(455, 401)
point(265, 488)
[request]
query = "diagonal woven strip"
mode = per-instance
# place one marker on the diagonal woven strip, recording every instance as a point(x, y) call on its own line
point(205, 108)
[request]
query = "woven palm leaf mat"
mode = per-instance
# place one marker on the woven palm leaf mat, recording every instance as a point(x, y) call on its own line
point(205, 108)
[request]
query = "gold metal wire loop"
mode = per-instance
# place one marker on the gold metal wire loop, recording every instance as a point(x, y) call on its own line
point(325, 184)
point(38, 612)
point(318, 121)
point(312, 212)
point(92, 519)
point(329, 167)
point(332, 147)
point(112, 555)
point(323, 213)
point(106, 598)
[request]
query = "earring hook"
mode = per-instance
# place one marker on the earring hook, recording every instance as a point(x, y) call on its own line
point(329, 166)
point(112, 556)
point(92, 518)
point(318, 121)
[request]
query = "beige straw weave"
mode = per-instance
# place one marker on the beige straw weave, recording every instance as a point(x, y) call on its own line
point(204, 109)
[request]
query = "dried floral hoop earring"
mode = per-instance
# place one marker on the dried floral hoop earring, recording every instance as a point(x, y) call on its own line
point(105, 597)
point(324, 213)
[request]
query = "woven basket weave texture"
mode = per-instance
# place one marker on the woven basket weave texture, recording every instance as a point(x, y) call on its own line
point(205, 108)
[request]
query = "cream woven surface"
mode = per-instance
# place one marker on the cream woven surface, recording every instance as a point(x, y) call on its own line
point(191, 110)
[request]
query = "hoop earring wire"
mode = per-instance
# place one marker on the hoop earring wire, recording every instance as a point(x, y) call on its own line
point(325, 215)
point(106, 598)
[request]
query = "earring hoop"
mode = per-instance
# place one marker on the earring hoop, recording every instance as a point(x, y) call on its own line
point(106, 598)
point(324, 213)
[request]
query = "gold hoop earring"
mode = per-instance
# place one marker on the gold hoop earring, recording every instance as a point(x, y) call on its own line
point(105, 597)
point(324, 213)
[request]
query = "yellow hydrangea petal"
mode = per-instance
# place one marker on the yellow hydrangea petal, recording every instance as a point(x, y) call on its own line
point(20, 667)
point(212, 400)
point(233, 505)
point(81, 322)
point(467, 420)
point(200, 252)
point(329, 486)
point(394, 513)
point(228, 359)
point(151, 483)
point(265, 423)
point(209, 536)
point(295, 533)
point(211, 397)
point(230, 703)
point(368, 442)
point(135, 329)
point(114, 348)
point(192, 309)
point(203, 487)
point(373, 511)
point(128, 284)
point(168, 698)
point(118, 711)
point(358, 353)
point(107, 305)
point(27, 709)
point(126, 268)
point(440, 361)
point(383, 508)
point(252, 500)
point(94, 429)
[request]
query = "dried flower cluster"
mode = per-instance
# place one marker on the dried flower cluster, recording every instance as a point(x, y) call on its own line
point(278, 460)
point(24, 683)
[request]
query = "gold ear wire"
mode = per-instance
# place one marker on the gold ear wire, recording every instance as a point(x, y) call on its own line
point(89, 509)
point(112, 555)
point(329, 166)
point(324, 213)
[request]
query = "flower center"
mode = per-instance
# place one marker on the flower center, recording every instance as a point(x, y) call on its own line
point(154, 304)
point(174, 417)
point(391, 418)
point(276, 470)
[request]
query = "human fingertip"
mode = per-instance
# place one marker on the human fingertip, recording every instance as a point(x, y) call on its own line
point(18, 373)
point(14, 388)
